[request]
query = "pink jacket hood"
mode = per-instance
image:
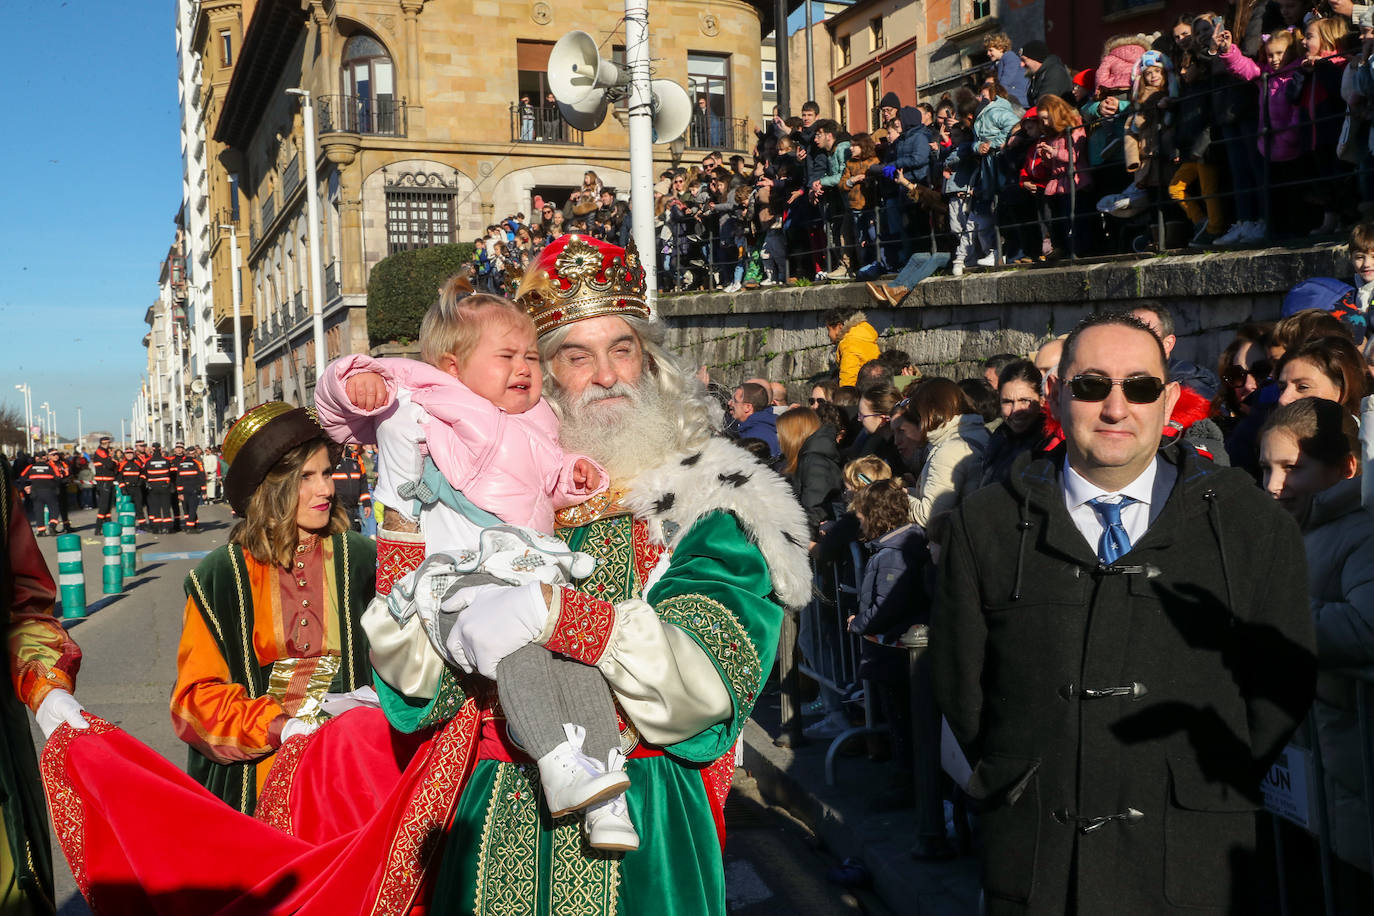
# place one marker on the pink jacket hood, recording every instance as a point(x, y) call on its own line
point(509, 464)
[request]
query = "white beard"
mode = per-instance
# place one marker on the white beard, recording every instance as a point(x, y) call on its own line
point(627, 437)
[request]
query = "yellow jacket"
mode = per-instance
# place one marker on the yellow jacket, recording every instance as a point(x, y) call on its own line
point(858, 345)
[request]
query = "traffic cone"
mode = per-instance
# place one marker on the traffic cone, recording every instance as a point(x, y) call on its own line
point(112, 574)
point(71, 576)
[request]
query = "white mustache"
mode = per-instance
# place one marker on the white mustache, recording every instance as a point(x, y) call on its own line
point(593, 393)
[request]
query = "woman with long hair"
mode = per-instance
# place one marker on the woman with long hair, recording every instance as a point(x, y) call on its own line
point(955, 440)
point(1331, 368)
point(1023, 419)
point(811, 461)
point(1060, 159)
point(272, 618)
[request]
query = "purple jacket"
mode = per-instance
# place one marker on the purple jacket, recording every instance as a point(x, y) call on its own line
point(1278, 112)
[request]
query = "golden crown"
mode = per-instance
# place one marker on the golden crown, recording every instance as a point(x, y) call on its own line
point(583, 278)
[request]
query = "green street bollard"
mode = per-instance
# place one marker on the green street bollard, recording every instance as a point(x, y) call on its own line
point(128, 543)
point(112, 573)
point(71, 576)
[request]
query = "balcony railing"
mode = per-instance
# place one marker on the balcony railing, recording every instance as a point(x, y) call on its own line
point(269, 209)
point(298, 306)
point(709, 131)
point(541, 124)
point(291, 178)
point(331, 282)
point(355, 114)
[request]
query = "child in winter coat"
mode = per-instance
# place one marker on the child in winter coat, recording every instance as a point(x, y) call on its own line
point(476, 408)
point(1280, 140)
point(1323, 110)
point(855, 185)
point(1062, 152)
point(1147, 139)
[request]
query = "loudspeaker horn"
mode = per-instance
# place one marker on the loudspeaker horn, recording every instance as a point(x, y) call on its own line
point(577, 72)
point(672, 110)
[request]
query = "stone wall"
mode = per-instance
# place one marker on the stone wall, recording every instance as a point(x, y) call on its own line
point(949, 325)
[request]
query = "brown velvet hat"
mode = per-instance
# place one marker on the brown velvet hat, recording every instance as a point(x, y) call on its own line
point(259, 439)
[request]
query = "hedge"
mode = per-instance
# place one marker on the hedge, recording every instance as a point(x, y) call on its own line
point(404, 285)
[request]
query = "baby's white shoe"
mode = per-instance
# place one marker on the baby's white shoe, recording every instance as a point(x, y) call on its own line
point(608, 823)
point(573, 780)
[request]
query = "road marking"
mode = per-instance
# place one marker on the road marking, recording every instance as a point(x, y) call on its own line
point(173, 555)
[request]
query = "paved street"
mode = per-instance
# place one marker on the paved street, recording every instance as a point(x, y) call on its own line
point(773, 865)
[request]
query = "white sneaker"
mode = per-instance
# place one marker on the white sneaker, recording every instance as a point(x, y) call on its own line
point(956, 269)
point(1231, 236)
point(769, 282)
point(987, 260)
point(732, 288)
point(573, 780)
point(1254, 231)
point(608, 823)
point(829, 727)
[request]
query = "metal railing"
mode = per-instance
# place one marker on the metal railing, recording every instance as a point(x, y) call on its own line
point(332, 284)
point(715, 132)
point(383, 117)
point(269, 209)
point(541, 124)
point(291, 178)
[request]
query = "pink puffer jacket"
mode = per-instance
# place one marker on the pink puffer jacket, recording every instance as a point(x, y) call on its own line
point(1283, 118)
point(508, 464)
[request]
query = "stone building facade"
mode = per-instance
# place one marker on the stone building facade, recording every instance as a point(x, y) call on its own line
point(431, 126)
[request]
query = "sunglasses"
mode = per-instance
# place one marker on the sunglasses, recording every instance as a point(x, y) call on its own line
point(816, 400)
point(1138, 389)
point(1261, 372)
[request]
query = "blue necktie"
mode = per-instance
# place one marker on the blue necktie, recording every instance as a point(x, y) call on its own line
point(1115, 541)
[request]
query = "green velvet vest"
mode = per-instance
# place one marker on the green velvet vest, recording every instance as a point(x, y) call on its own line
point(25, 810)
point(219, 587)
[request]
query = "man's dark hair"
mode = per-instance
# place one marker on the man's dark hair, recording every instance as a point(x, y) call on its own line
point(758, 448)
point(828, 125)
point(895, 360)
point(736, 161)
point(811, 106)
point(873, 372)
point(1101, 319)
point(999, 361)
point(965, 102)
point(1166, 320)
point(756, 396)
point(982, 396)
point(846, 396)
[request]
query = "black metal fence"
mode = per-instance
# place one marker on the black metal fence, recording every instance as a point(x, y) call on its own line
point(384, 117)
point(541, 124)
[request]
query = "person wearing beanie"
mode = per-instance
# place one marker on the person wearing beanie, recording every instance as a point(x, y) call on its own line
point(1046, 73)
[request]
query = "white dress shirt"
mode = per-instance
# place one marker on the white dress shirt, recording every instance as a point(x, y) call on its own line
point(1136, 518)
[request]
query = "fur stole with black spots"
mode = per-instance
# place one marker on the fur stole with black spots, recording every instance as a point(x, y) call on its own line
point(720, 476)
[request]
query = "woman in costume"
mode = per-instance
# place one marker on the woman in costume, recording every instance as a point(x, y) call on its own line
point(271, 620)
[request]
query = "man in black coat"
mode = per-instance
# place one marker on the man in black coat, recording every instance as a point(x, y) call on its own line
point(1122, 645)
point(1046, 73)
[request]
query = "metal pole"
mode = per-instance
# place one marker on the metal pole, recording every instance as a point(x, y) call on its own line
point(810, 54)
point(641, 142)
point(121, 433)
point(312, 205)
point(236, 282)
point(78, 429)
point(782, 70)
point(28, 419)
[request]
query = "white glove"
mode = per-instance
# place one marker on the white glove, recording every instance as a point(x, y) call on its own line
point(57, 707)
point(336, 704)
point(294, 727)
point(496, 623)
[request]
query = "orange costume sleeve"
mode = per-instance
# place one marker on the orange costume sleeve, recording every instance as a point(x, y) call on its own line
point(42, 655)
point(212, 713)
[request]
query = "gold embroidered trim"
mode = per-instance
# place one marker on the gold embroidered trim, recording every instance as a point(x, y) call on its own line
point(723, 637)
point(324, 669)
point(603, 505)
point(610, 540)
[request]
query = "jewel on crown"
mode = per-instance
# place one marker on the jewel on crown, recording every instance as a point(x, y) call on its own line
point(586, 280)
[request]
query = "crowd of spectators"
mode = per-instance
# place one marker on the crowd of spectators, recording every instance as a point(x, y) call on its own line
point(1220, 129)
point(880, 456)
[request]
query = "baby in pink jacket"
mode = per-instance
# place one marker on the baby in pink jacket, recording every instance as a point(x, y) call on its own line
point(477, 415)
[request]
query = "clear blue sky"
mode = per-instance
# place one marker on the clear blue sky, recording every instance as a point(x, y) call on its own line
point(91, 170)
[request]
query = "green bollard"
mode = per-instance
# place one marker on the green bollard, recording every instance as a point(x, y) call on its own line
point(112, 573)
point(128, 542)
point(71, 576)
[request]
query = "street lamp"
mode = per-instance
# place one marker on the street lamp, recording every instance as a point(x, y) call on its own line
point(236, 283)
point(47, 424)
point(312, 204)
point(28, 416)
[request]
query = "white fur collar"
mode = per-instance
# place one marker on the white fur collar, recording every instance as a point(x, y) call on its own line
point(720, 476)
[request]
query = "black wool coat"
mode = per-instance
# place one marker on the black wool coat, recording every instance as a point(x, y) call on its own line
point(1119, 719)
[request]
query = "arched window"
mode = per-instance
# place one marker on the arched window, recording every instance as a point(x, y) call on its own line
point(369, 85)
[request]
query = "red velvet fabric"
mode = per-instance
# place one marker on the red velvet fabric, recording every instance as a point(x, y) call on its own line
point(143, 837)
